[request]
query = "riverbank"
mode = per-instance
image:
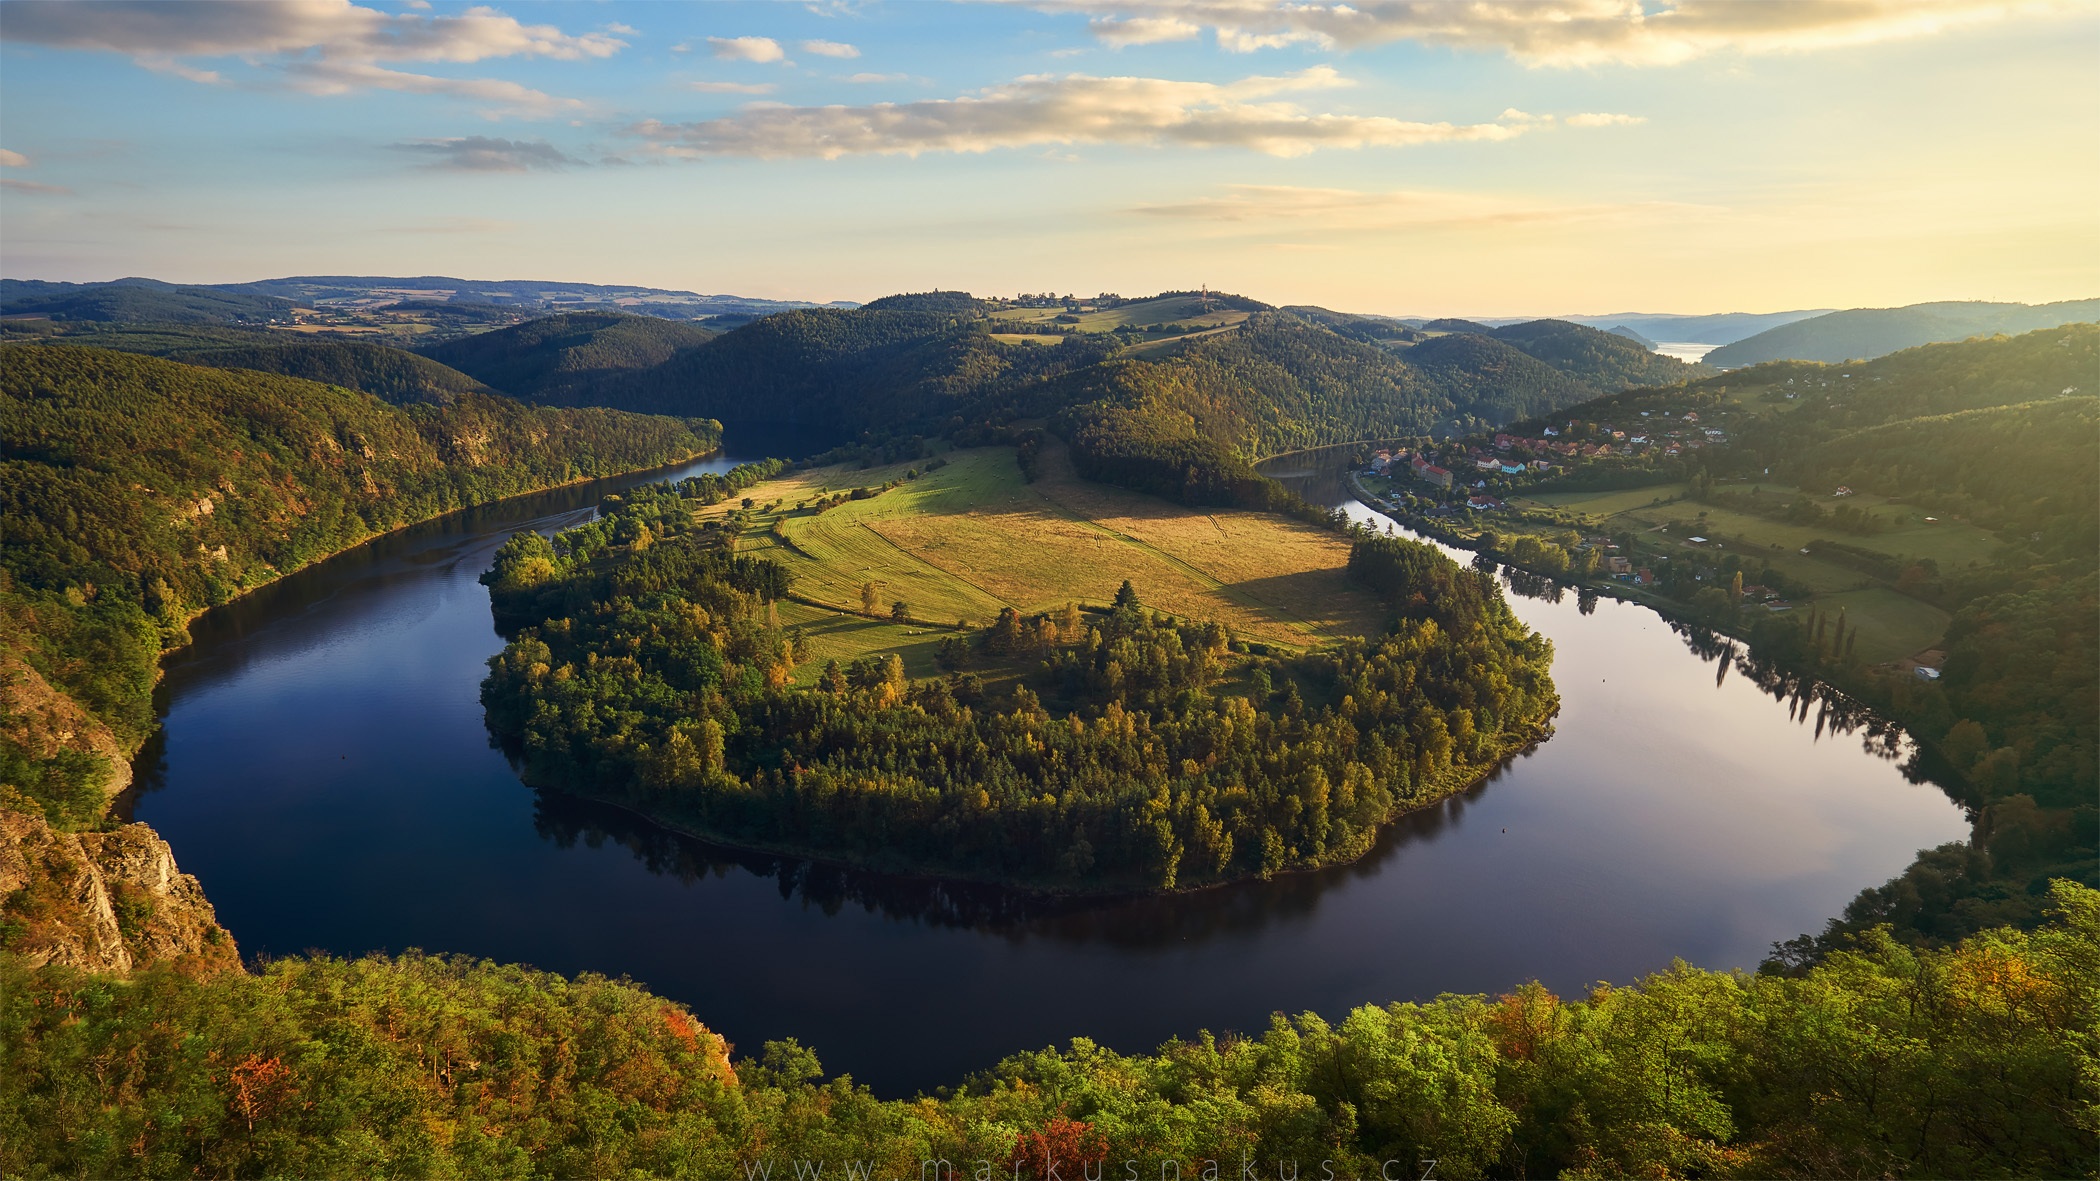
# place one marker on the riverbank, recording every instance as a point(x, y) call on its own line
point(87, 905)
point(1444, 788)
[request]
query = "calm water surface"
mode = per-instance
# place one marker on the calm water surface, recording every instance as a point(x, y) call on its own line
point(325, 772)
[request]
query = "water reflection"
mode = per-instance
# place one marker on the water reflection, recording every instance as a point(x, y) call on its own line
point(326, 774)
point(1131, 921)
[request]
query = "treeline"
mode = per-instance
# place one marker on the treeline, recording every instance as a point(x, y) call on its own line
point(1135, 752)
point(559, 359)
point(2000, 433)
point(391, 374)
point(135, 492)
point(1974, 1061)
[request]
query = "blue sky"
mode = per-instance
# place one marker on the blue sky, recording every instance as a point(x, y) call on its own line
point(1440, 157)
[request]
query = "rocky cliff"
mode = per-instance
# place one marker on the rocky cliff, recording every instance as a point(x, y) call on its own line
point(105, 901)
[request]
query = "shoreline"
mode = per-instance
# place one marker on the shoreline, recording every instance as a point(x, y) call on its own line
point(1354, 852)
point(129, 772)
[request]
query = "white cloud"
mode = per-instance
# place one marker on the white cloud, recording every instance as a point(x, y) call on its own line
point(747, 49)
point(318, 46)
point(623, 30)
point(13, 159)
point(731, 87)
point(1144, 30)
point(1555, 32)
point(866, 78)
point(1044, 110)
point(480, 153)
point(830, 49)
point(1597, 119)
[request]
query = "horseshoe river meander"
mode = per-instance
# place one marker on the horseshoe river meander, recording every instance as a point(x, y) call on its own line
point(325, 772)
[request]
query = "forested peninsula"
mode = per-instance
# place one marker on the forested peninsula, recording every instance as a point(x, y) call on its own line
point(136, 492)
point(1124, 750)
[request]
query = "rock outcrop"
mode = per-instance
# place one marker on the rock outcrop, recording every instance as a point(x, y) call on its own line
point(103, 901)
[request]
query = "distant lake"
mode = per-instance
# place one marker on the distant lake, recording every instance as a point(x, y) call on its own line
point(1684, 350)
point(325, 771)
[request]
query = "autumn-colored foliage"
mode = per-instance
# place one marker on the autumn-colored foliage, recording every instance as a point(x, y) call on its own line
point(1060, 1150)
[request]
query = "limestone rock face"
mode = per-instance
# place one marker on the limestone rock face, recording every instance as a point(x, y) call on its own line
point(103, 901)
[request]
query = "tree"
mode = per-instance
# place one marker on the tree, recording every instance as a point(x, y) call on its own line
point(868, 598)
point(900, 612)
point(1126, 596)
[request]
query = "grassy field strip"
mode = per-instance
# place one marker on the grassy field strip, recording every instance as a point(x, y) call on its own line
point(1203, 578)
point(970, 537)
point(924, 560)
point(1891, 625)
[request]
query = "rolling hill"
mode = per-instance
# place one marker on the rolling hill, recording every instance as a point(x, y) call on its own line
point(557, 360)
point(136, 301)
point(388, 373)
point(1866, 333)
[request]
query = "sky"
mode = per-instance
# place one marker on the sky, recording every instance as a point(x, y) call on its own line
point(1406, 157)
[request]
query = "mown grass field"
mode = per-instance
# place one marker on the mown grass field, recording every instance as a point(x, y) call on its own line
point(1892, 625)
point(960, 542)
point(1181, 310)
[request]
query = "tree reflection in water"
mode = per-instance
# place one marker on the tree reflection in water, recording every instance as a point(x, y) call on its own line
point(1134, 921)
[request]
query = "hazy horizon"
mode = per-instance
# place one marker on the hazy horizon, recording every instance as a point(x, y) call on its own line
point(1394, 158)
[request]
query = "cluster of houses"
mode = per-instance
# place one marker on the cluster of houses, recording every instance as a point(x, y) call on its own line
point(1665, 434)
point(1458, 464)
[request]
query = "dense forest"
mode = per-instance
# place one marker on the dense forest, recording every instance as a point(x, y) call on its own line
point(392, 374)
point(557, 359)
point(133, 301)
point(929, 364)
point(1134, 751)
point(135, 492)
point(1883, 1061)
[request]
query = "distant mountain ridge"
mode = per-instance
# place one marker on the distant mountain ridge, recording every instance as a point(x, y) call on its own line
point(1865, 333)
point(138, 300)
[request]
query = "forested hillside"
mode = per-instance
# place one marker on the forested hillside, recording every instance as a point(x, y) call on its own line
point(395, 375)
point(134, 301)
point(136, 491)
point(1974, 1061)
point(1866, 333)
point(557, 360)
point(1263, 382)
point(1599, 359)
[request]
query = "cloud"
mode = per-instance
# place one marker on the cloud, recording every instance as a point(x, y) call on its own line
point(830, 49)
point(1144, 30)
point(317, 46)
point(1044, 110)
point(29, 186)
point(499, 97)
point(1605, 120)
point(13, 159)
point(1255, 210)
point(865, 78)
point(732, 87)
point(623, 30)
point(747, 49)
point(1553, 32)
point(481, 153)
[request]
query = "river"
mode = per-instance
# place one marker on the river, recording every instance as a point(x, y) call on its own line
point(324, 771)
